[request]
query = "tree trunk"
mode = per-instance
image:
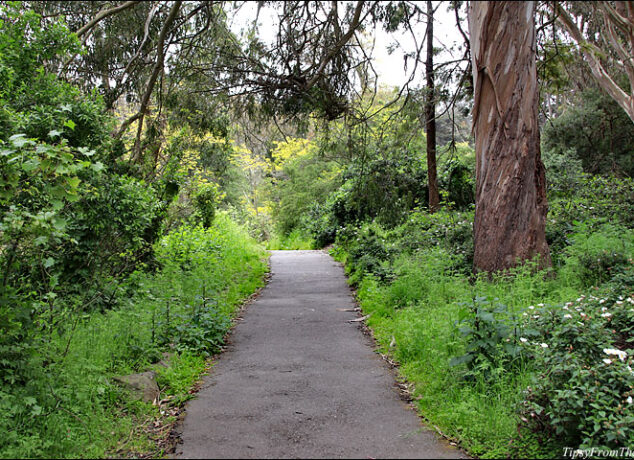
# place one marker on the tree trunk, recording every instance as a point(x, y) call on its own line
point(430, 114)
point(511, 206)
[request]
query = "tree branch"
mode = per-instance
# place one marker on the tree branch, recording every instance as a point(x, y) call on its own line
point(356, 20)
point(591, 53)
point(104, 14)
point(158, 67)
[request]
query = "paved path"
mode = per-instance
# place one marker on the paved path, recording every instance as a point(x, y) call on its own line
point(299, 381)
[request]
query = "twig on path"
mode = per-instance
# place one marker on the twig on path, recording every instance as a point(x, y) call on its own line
point(358, 320)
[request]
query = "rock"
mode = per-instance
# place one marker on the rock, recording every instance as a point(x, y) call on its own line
point(142, 386)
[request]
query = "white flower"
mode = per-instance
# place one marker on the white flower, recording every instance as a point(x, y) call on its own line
point(565, 307)
point(606, 315)
point(629, 400)
point(619, 302)
point(567, 316)
point(523, 340)
point(531, 308)
point(613, 351)
point(569, 304)
point(540, 304)
point(544, 345)
point(607, 361)
point(602, 301)
point(604, 308)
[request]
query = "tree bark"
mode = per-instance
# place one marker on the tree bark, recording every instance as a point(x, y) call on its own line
point(511, 205)
point(430, 114)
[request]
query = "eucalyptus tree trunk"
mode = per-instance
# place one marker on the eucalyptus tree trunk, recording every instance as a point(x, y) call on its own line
point(430, 114)
point(511, 206)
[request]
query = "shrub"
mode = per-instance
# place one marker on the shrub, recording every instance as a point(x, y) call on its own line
point(492, 336)
point(583, 390)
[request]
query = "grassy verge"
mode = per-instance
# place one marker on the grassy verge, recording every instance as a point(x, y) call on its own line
point(459, 341)
point(72, 408)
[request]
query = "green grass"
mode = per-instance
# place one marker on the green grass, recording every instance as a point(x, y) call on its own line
point(71, 407)
point(294, 240)
point(417, 313)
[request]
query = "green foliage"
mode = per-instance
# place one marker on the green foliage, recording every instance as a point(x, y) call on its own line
point(596, 131)
point(597, 253)
point(589, 203)
point(457, 180)
point(452, 231)
point(475, 362)
point(296, 239)
point(32, 100)
point(206, 200)
point(62, 401)
point(179, 377)
point(584, 385)
point(492, 339)
point(303, 181)
point(368, 251)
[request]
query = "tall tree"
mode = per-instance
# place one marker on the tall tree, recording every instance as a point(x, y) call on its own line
point(511, 206)
point(430, 113)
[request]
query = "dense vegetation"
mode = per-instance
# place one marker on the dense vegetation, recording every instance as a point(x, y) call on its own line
point(93, 286)
point(132, 227)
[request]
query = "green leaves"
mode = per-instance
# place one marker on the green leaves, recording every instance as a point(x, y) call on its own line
point(585, 378)
point(19, 141)
point(48, 262)
point(73, 182)
point(492, 338)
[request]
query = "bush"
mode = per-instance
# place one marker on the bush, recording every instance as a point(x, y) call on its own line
point(58, 398)
point(582, 395)
point(452, 231)
point(368, 252)
point(492, 336)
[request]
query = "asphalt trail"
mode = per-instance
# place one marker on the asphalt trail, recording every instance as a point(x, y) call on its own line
point(299, 381)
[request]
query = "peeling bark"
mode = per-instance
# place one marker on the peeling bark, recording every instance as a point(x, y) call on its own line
point(511, 205)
